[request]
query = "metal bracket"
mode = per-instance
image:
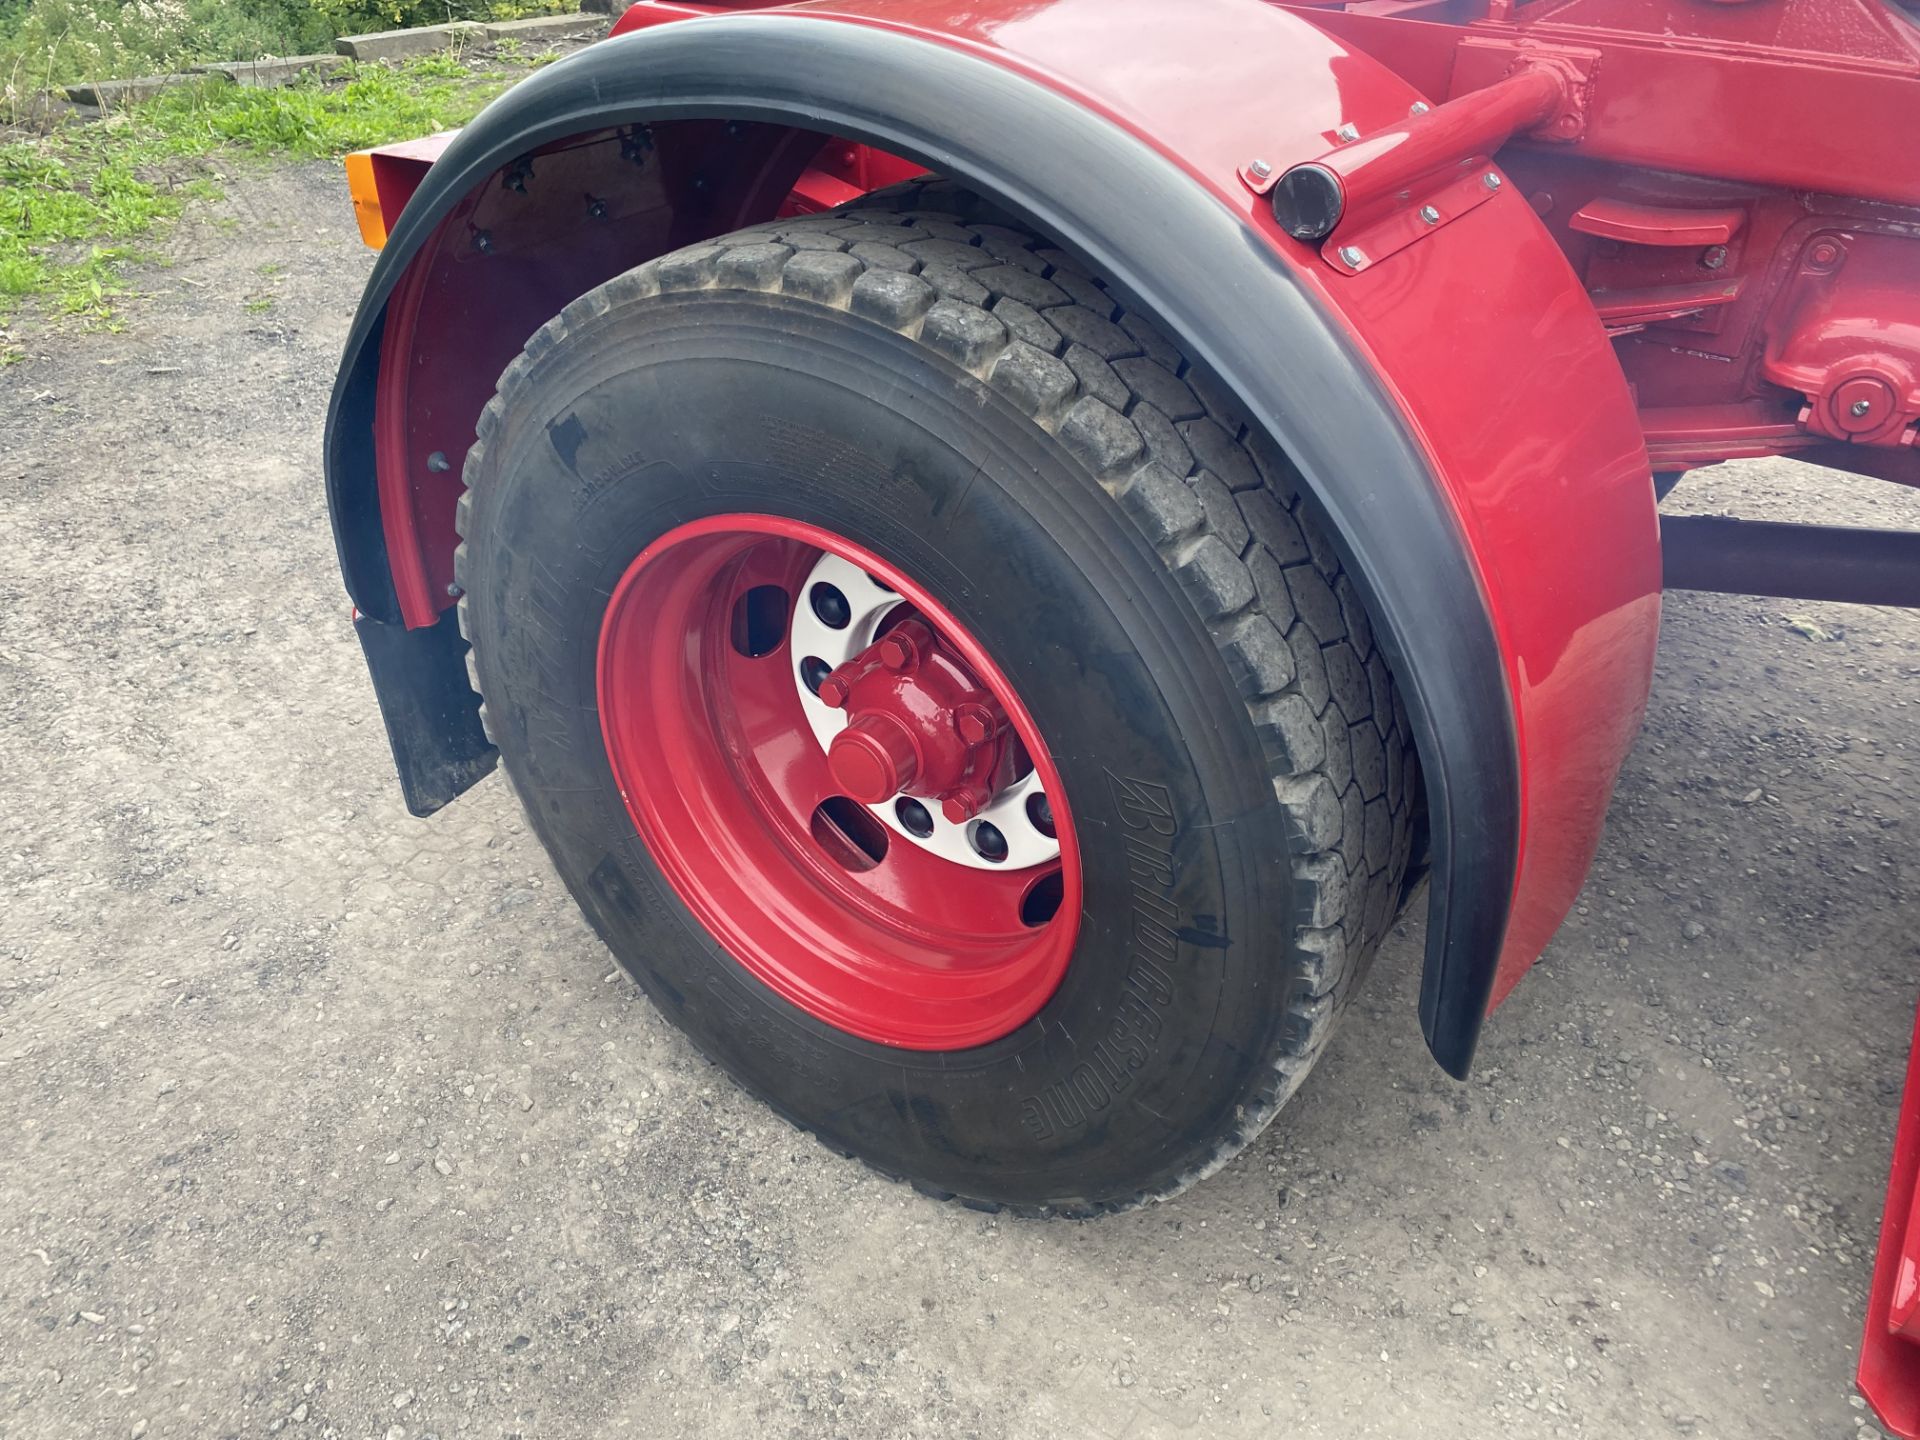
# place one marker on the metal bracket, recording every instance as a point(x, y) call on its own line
point(1483, 60)
point(1353, 253)
point(1380, 193)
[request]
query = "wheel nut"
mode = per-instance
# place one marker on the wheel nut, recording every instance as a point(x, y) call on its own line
point(963, 804)
point(902, 647)
point(1040, 814)
point(815, 672)
point(975, 724)
point(832, 691)
point(913, 815)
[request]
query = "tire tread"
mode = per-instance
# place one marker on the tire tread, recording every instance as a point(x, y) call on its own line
point(1218, 502)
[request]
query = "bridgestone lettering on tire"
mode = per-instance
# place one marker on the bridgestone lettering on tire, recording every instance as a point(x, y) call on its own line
point(948, 393)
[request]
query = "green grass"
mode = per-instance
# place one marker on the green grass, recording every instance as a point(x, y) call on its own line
point(77, 204)
point(58, 42)
point(376, 105)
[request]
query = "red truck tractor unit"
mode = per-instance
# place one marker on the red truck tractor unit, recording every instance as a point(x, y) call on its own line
point(1001, 543)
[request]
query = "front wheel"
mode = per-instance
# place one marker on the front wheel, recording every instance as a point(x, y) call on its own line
point(936, 699)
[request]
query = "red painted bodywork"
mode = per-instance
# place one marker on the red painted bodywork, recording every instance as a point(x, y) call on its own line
point(1788, 126)
point(1890, 1350)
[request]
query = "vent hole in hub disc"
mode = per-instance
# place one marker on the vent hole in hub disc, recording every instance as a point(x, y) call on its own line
point(759, 621)
point(1042, 900)
point(850, 833)
point(914, 817)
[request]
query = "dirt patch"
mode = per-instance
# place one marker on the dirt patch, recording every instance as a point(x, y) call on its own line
point(327, 1120)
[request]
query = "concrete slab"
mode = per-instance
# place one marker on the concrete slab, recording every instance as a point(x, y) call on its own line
point(113, 94)
point(543, 27)
point(49, 107)
point(272, 74)
point(408, 44)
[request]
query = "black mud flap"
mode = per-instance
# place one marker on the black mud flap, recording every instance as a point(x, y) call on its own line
point(432, 714)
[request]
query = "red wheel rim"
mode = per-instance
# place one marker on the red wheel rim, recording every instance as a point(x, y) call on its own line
point(729, 785)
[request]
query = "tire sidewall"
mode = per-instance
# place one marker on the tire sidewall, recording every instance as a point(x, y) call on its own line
point(686, 406)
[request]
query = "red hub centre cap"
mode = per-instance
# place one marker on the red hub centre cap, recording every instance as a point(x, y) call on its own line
point(917, 722)
point(839, 782)
point(873, 758)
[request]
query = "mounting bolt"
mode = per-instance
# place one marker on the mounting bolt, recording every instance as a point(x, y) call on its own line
point(596, 208)
point(1419, 107)
point(1429, 214)
point(1859, 408)
point(1347, 133)
point(975, 724)
point(1260, 169)
point(1491, 181)
point(898, 652)
point(483, 242)
point(962, 804)
point(1352, 255)
point(438, 462)
point(454, 592)
point(836, 688)
point(1714, 257)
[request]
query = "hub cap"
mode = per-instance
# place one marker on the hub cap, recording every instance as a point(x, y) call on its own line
point(898, 710)
point(839, 782)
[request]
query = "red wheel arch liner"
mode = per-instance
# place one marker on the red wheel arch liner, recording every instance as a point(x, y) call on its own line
point(1455, 410)
point(412, 586)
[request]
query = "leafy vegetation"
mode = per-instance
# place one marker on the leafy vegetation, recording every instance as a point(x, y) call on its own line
point(79, 201)
point(59, 42)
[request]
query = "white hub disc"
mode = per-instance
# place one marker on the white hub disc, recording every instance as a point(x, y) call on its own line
point(813, 639)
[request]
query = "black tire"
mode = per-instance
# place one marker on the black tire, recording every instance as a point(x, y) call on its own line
point(940, 386)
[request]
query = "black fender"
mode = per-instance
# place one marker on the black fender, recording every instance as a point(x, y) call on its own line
point(1171, 248)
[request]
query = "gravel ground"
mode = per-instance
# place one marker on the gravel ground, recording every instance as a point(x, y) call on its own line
point(323, 1120)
